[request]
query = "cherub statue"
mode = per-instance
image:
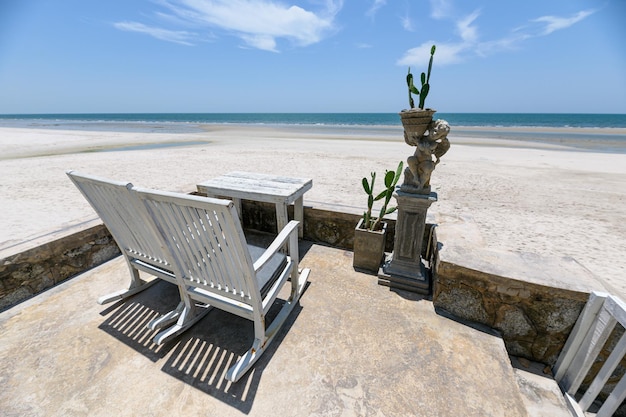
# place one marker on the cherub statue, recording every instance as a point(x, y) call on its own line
point(421, 165)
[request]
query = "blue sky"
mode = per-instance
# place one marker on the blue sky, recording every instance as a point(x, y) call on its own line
point(93, 56)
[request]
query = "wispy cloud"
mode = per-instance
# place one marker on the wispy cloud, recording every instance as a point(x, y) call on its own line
point(447, 53)
point(176, 36)
point(407, 23)
point(554, 23)
point(258, 23)
point(467, 31)
point(377, 4)
point(440, 9)
point(470, 44)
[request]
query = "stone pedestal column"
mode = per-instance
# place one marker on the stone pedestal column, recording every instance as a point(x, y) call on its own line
point(404, 268)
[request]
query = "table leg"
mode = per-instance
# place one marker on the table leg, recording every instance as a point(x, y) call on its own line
point(281, 216)
point(237, 203)
point(298, 214)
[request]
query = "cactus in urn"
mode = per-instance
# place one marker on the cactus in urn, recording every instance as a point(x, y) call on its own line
point(425, 81)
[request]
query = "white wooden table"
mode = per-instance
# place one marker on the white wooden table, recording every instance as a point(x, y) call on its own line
point(276, 189)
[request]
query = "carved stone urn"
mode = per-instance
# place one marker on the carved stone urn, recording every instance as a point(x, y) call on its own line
point(415, 122)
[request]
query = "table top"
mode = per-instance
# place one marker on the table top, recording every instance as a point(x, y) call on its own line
point(259, 187)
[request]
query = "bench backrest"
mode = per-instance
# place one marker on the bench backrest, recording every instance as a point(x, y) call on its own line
point(124, 216)
point(206, 242)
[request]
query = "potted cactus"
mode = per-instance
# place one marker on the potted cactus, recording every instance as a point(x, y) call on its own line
point(415, 120)
point(370, 233)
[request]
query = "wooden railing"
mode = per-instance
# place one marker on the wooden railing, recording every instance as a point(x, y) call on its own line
point(594, 326)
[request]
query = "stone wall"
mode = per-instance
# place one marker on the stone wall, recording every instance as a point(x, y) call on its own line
point(320, 226)
point(26, 273)
point(534, 320)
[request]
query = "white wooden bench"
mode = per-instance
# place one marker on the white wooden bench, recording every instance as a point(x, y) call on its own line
point(118, 208)
point(124, 216)
point(214, 265)
point(198, 244)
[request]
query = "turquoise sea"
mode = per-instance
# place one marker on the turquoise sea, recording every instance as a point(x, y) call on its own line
point(603, 132)
point(552, 120)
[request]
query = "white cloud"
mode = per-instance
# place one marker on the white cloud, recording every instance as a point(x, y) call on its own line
point(549, 24)
point(371, 12)
point(504, 44)
point(464, 26)
point(440, 9)
point(176, 36)
point(554, 23)
point(470, 44)
point(445, 54)
point(259, 23)
point(266, 43)
point(407, 24)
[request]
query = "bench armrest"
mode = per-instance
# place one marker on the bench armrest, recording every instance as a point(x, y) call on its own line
point(289, 232)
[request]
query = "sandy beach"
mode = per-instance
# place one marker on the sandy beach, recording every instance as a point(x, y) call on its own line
point(542, 197)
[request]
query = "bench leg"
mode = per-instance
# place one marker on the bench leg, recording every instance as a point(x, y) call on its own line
point(187, 318)
point(136, 285)
point(265, 336)
point(167, 318)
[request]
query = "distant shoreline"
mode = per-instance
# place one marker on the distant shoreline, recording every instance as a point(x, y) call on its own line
point(611, 140)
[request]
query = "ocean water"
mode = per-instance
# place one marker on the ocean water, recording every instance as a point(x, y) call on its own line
point(599, 132)
point(550, 120)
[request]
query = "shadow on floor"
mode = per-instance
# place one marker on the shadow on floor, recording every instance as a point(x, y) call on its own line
point(202, 355)
point(127, 320)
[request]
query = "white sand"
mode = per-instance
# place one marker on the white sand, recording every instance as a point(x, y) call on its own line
point(546, 199)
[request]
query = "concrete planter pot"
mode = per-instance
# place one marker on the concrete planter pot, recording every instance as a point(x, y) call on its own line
point(369, 247)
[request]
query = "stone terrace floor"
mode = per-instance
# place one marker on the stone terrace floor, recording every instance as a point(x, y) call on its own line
point(350, 348)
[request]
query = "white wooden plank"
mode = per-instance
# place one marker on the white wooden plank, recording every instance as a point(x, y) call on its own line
point(122, 214)
point(617, 308)
point(281, 216)
point(298, 215)
point(268, 177)
point(257, 187)
point(614, 400)
point(579, 332)
point(589, 350)
point(604, 374)
point(230, 267)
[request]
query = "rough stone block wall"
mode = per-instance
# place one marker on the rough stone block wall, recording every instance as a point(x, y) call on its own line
point(320, 226)
point(27, 273)
point(534, 320)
